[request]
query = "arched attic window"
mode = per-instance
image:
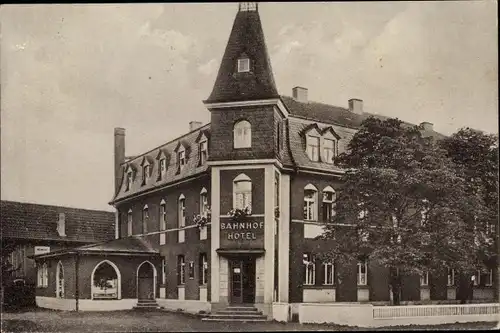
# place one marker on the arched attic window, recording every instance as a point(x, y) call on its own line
point(242, 192)
point(310, 203)
point(242, 134)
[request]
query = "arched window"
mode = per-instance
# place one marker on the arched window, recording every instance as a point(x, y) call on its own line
point(181, 211)
point(145, 218)
point(242, 134)
point(242, 192)
point(60, 280)
point(310, 203)
point(203, 202)
point(129, 222)
point(163, 221)
point(106, 281)
point(328, 204)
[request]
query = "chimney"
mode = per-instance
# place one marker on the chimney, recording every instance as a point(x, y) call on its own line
point(427, 126)
point(194, 125)
point(119, 156)
point(356, 105)
point(300, 94)
point(61, 225)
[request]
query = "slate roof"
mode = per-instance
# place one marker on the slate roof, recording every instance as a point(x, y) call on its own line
point(39, 222)
point(129, 245)
point(192, 167)
point(247, 37)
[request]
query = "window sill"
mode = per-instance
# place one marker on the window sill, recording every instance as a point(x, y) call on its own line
point(181, 286)
point(322, 286)
point(363, 286)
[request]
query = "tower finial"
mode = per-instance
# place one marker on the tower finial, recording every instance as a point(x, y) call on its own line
point(248, 7)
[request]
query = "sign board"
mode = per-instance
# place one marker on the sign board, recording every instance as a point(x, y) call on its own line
point(41, 249)
point(245, 233)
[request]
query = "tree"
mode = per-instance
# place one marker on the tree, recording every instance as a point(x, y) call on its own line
point(402, 204)
point(475, 155)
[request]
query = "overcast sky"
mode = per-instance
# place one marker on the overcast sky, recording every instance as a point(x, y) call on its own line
point(71, 73)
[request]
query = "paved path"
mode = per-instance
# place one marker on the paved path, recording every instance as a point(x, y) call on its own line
point(156, 321)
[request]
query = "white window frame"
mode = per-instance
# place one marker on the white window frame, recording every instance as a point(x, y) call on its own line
point(477, 280)
point(329, 157)
point(146, 173)
point(203, 202)
point(43, 276)
point(181, 211)
point(451, 277)
point(242, 192)
point(163, 221)
point(181, 156)
point(424, 279)
point(182, 269)
point(329, 277)
point(59, 283)
point(145, 219)
point(163, 166)
point(243, 65)
point(331, 202)
point(310, 203)
point(242, 134)
point(203, 152)
point(362, 278)
point(489, 278)
point(164, 271)
point(129, 222)
point(129, 181)
point(204, 269)
point(309, 269)
point(313, 149)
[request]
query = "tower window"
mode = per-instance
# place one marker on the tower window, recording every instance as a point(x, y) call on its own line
point(242, 134)
point(243, 65)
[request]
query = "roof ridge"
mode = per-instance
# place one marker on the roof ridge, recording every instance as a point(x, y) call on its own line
point(315, 102)
point(54, 206)
point(164, 144)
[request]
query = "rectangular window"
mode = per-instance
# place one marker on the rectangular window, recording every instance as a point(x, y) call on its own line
point(145, 174)
point(129, 181)
point(276, 193)
point(243, 65)
point(191, 270)
point(328, 150)
point(42, 276)
point(39, 275)
point(310, 205)
point(182, 159)
point(163, 222)
point(488, 282)
point(203, 274)
point(181, 277)
point(424, 279)
point(129, 223)
point(163, 271)
point(203, 204)
point(203, 152)
point(451, 277)
point(182, 213)
point(328, 208)
point(477, 278)
point(310, 269)
point(329, 270)
point(163, 167)
point(313, 148)
point(362, 274)
point(145, 218)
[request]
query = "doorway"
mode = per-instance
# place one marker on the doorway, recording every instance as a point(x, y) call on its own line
point(145, 281)
point(242, 281)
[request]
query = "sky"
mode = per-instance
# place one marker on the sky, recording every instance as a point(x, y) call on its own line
point(71, 73)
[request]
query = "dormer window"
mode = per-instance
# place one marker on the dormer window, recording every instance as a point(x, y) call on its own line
point(313, 148)
point(181, 157)
point(203, 152)
point(163, 167)
point(243, 65)
point(328, 150)
point(145, 173)
point(129, 180)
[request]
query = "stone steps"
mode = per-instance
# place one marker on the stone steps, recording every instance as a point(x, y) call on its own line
point(146, 304)
point(237, 313)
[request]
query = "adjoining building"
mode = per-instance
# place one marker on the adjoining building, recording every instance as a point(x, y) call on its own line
point(29, 229)
point(228, 212)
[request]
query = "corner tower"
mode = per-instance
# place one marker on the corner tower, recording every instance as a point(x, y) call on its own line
point(247, 127)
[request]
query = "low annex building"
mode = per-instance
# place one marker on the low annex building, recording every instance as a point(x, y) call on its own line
point(228, 212)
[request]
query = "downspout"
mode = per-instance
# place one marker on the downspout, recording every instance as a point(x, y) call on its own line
point(77, 291)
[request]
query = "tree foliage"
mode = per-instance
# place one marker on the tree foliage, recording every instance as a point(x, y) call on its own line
point(404, 204)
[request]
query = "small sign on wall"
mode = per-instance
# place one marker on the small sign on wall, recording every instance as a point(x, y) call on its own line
point(41, 249)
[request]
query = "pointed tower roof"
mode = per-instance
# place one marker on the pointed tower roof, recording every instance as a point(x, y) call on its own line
point(245, 42)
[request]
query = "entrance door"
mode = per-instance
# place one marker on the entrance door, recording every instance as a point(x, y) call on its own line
point(145, 282)
point(242, 281)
